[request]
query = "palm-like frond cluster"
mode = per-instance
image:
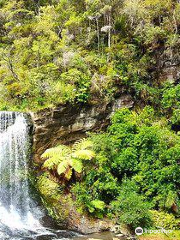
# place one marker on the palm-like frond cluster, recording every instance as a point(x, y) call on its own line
point(65, 159)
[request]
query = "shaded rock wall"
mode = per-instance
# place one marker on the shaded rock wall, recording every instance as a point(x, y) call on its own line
point(168, 65)
point(68, 123)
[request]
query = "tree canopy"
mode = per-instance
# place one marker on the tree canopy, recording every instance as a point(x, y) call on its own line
point(57, 51)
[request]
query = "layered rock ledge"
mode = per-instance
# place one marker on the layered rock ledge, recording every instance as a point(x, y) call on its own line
point(68, 123)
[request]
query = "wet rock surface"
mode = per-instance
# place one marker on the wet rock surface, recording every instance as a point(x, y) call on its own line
point(102, 236)
point(51, 234)
point(87, 225)
point(44, 234)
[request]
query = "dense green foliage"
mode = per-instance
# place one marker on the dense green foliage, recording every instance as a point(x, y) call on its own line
point(139, 147)
point(165, 220)
point(56, 51)
point(51, 196)
point(131, 208)
point(135, 169)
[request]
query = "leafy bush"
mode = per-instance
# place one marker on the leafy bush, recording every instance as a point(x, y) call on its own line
point(139, 147)
point(47, 186)
point(171, 96)
point(130, 208)
point(86, 202)
point(134, 167)
point(165, 220)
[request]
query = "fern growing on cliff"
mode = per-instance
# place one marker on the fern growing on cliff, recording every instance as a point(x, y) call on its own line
point(65, 159)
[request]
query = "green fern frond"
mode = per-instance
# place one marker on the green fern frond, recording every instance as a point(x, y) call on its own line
point(60, 150)
point(84, 154)
point(82, 144)
point(55, 155)
point(62, 167)
point(77, 165)
point(51, 163)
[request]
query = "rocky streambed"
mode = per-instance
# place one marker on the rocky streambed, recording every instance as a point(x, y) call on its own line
point(102, 236)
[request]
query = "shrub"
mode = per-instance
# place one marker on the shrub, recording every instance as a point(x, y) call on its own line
point(131, 208)
point(165, 220)
point(142, 148)
point(86, 201)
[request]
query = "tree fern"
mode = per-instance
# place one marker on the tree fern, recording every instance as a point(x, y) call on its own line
point(64, 159)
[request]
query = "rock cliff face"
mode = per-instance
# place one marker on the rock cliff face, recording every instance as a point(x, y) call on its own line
point(68, 123)
point(168, 65)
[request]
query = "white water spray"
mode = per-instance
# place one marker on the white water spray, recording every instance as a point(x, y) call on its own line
point(15, 202)
point(19, 215)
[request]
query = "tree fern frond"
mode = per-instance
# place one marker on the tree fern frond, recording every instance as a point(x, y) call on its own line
point(84, 154)
point(55, 155)
point(56, 151)
point(82, 144)
point(77, 165)
point(62, 167)
point(51, 162)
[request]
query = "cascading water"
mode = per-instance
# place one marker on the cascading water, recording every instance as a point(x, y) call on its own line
point(14, 147)
point(19, 217)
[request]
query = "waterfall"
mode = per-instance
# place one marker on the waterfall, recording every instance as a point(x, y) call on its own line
point(15, 209)
point(19, 215)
